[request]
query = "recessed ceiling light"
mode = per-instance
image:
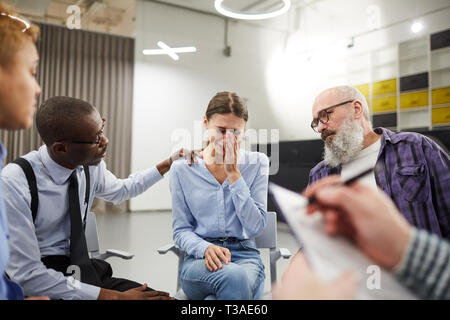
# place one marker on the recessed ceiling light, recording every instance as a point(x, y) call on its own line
point(416, 27)
point(218, 4)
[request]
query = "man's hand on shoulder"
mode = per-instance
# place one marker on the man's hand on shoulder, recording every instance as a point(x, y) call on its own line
point(182, 153)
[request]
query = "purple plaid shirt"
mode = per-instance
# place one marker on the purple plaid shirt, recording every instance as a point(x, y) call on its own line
point(415, 173)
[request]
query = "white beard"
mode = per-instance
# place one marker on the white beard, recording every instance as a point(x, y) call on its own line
point(345, 144)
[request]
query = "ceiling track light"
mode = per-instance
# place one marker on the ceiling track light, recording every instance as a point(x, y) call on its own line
point(171, 52)
point(218, 4)
point(168, 50)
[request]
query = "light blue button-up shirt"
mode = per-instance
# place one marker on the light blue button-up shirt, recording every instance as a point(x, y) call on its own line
point(203, 208)
point(8, 289)
point(50, 234)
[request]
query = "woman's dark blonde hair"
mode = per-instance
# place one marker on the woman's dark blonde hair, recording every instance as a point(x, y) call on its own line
point(227, 102)
point(13, 33)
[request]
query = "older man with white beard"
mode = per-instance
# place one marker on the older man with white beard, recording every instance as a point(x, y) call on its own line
point(412, 169)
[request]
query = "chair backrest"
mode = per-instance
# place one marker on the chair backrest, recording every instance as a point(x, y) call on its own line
point(268, 239)
point(91, 233)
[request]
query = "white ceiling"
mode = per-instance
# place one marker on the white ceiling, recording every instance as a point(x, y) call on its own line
point(204, 5)
point(105, 15)
point(282, 23)
point(237, 5)
point(40, 6)
point(118, 16)
point(110, 16)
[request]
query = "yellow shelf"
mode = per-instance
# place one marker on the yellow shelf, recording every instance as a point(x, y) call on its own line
point(441, 96)
point(384, 87)
point(441, 115)
point(414, 100)
point(364, 88)
point(384, 104)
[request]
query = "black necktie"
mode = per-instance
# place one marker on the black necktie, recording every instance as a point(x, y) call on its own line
point(78, 248)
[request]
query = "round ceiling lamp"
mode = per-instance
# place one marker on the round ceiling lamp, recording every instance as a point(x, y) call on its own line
point(218, 4)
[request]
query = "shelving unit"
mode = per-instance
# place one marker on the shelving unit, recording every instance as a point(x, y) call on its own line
point(407, 85)
point(440, 86)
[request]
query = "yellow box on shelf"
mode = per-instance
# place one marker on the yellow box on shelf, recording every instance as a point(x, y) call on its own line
point(441, 115)
point(414, 100)
point(384, 87)
point(441, 96)
point(364, 88)
point(384, 104)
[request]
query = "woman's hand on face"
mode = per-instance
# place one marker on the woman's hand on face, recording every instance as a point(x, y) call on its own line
point(213, 154)
point(231, 157)
point(215, 255)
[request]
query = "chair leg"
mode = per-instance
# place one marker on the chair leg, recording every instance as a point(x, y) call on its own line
point(274, 257)
point(180, 263)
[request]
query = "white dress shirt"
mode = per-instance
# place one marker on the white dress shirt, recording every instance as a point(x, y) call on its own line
point(50, 233)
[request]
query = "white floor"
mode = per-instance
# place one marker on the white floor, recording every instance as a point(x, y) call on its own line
point(143, 232)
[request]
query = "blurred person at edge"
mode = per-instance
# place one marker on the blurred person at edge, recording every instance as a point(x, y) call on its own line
point(18, 92)
point(418, 259)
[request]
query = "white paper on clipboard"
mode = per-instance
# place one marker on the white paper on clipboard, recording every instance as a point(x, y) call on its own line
point(330, 256)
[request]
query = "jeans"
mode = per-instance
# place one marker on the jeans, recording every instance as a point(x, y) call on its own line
point(241, 279)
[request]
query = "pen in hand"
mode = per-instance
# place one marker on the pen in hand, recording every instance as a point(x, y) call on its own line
point(348, 182)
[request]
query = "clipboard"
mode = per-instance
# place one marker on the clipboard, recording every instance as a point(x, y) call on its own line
point(330, 256)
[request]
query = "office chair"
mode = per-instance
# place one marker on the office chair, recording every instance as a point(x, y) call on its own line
point(93, 244)
point(266, 240)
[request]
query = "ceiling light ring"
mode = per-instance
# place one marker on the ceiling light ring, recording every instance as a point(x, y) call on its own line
point(251, 16)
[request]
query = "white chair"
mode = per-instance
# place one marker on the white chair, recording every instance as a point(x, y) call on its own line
point(93, 245)
point(266, 240)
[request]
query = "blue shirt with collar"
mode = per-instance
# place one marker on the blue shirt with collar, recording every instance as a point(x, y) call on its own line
point(204, 208)
point(9, 290)
point(50, 233)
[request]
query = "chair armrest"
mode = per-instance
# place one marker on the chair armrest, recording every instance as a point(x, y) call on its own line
point(166, 248)
point(171, 247)
point(115, 253)
point(285, 253)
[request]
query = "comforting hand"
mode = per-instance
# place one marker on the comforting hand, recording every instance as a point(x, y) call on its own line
point(300, 283)
point(215, 255)
point(187, 154)
point(366, 216)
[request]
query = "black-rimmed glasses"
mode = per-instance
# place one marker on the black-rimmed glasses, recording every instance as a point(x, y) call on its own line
point(323, 115)
point(98, 139)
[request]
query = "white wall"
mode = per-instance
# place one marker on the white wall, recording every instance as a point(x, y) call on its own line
point(172, 96)
point(279, 75)
point(313, 53)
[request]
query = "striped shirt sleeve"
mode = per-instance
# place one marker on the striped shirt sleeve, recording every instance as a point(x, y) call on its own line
point(425, 266)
